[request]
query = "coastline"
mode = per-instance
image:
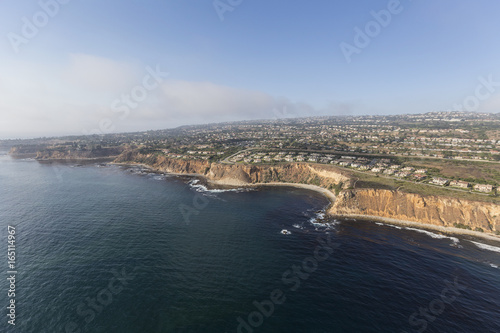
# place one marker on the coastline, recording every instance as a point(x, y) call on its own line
point(83, 159)
point(418, 225)
point(232, 183)
point(326, 193)
point(236, 183)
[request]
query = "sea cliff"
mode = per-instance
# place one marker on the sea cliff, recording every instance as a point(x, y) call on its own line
point(431, 210)
point(339, 185)
point(373, 203)
point(44, 153)
point(324, 176)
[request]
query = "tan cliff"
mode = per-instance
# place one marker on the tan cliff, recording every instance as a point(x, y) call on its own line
point(324, 176)
point(66, 154)
point(432, 210)
point(163, 163)
point(374, 203)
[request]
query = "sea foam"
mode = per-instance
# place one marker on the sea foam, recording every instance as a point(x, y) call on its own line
point(434, 235)
point(318, 222)
point(202, 188)
point(486, 247)
point(388, 225)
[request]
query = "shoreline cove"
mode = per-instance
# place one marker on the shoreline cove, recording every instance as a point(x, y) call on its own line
point(103, 223)
point(234, 183)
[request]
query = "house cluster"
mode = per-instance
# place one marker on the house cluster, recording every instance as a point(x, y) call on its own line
point(382, 166)
point(484, 188)
point(376, 165)
point(406, 135)
point(193, 154)
point(259, 157)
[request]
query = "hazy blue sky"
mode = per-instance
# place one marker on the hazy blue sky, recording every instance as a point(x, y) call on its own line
point(83, 66)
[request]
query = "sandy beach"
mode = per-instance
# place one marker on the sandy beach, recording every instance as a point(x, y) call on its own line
point(321, 190)
point(237, 183)
point(232, 183)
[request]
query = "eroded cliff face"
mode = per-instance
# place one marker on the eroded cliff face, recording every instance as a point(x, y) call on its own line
point(69, 154)
point(435, 210)
point(237, 174)
point(25, 151)
point(165, 164)
point(323, 176)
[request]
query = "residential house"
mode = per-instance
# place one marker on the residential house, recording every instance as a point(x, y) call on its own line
point(459, 183)
point(483, 188)
point(440, 181)
point(419, 176)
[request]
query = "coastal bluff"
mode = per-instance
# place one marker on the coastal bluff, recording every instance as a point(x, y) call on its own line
point(324, 176)
point(372, 203)
point(348, 200)
point(432, 210)
point(43, 153)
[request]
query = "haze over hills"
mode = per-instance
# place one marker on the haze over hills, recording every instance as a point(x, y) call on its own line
point(454, 154)
point(440, 116)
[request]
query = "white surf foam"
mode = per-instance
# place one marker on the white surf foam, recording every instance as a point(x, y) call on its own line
point(318, 221)
point(434, 235)
point(319, 216)
point(202, 188)
point(388, 225)
point(486, 247)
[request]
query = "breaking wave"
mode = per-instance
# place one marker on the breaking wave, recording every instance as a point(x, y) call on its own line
point(321, 222)
point(455, 240)
point(195, 184)
point(389, 225)
point(486, 247)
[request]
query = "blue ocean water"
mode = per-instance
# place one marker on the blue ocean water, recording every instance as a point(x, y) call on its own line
point(103, 248)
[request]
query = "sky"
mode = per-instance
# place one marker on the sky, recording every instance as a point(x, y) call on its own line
point(72, 67)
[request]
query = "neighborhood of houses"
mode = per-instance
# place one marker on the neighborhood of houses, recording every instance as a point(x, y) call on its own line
point(380, 166)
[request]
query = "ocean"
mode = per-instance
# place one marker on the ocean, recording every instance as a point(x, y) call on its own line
point(106, 248)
